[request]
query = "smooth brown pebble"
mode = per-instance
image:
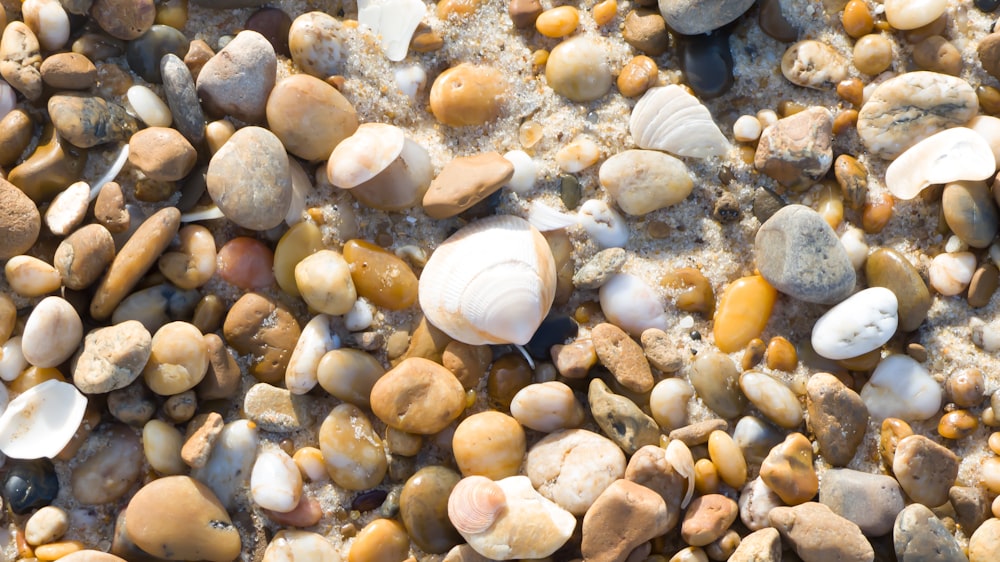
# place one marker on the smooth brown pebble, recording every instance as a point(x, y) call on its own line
point(465, 181)
point(467, 95)
point(418, 396)
point(84, 255)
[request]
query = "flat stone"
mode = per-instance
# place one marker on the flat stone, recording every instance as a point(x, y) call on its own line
point(276, 409)
point(87, 121)
point(707, 519)
point(112, 357)
point(925, 470)
point(817, 533)
point(20, 221)
point(919, 535)
point(870, 501)
point(857, 325)
point(691, 17)
point(621, 419)
point(799, 254)
point(599, 268)
point(797, 148)
point(238, 79)
point(622, 356)
point(698, 433)
point(68, 71)
point(972, 506)
point(309, 116)
point(716, 379)
point(202, 432)
point(904, 110)
point(250, 180)
point(888, 268)
point(838, 418)
point(643, 181)
point(465, 181)
point(623, 517)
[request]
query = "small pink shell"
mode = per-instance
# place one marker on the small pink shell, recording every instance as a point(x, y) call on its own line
point(475, 503)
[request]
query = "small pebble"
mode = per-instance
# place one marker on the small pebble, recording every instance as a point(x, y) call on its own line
point(30, 484)
point(31, 277)
point(797, 148)
point(558, 22)
point(465, 181)
point(578, 70)
point(950, 273)
point(813, 64)
point(620, 418)
point(837, 417)
point(623, 357)
point(743, 312)
point(467, 95)
point(490, 444)
point(646, 30)
point(707, 519)
point(266, 331)
point(639, 74)
point(662, 180)
point(872, 54)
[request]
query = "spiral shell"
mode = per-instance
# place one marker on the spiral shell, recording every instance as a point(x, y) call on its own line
point(674, 121)
point(475, 504)
point(492, 282)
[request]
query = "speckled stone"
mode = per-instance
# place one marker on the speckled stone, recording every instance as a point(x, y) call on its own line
point(797, 148)
point(817, 533)
point(623, 517)
point(707, 518)
point(87, 121)
point(112, 357)
point(20, 221)
point(182, 98)
point(925, 470)
point(70, 71)
point(276, 409)
point(20, 59)
point(266, 331)
point(919, 535)
point(870, 501)
point(239, 78)
point(250, 180)
point(124, 19)
point(621, 419)
point(622, 356)
point(837, 417)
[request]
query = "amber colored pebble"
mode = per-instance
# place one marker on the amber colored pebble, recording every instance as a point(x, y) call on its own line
point(936, 27)
point(781, 354)
point(893, 431)
point(852, 176)
point(994, 442)
point(753, 354)
point(57, 550)
point(172, 12)
point(989, 99)
point(460, 8)
point(706, 477)
point(208, 313)
point(34, 376)
point(508, 375)
point(558, 22)
point(467, 95)
point(605, 11)
point(851, 90)
point(539, 58)
point(966, 387)
point(857, 19)
point(246, 263)
point(984, 283)
point(380, 276)
point(694, 292)
point(637, 76)
point(863, 362)
point(302, 240)
point(787, 108)
point(876, 214)
point(16, 129)
point(426, 42)
point(743, 312)
point(382, 540)
point(845, 120)
point(917, 352)
point(957, 424)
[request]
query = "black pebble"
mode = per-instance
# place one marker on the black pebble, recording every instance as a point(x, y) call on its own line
point(707, 63)
point(30, 485)
point(273, 24)
point(367, 501)
point(144, 54)
point(987, 5)
point(554, 330)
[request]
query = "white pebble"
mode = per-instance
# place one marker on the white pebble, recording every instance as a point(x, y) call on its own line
point(950, 274)
point(311, 464)
point(153, 111)
point(162, 443)
point(668, 402)
point(314, 341)
point(276, 482)
point(52, 333)
point(31, 277)
point(411, 80)
point(773, 398)
point(525, 171)
point(767, 117)
point(392, 22)
point(49, 21)
point(231, 461)
point(68, 209)
point(853, 240)
point(686, 323)
point(360, 317)
point(580, 154)
point(603, 224)
point(986, 336)
point(48, 524)
point(547, 407)
point(12, 360)
point(747, 128)
point(901, 388)
point(300, 546)
point(859, 324)
point(911, 14)
point(632, 305)
point(955, 244)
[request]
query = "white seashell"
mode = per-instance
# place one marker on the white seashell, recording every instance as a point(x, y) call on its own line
point(230, 462)
point(525, 171)
point(112, 173)
point(901, 388)
point(300, 546)
point(668, 402)
point(547, 219)
point(411, 80)
point(8, 99)
point(49, 21)
point(681, 460)
point(365, 154)
point(773, 398)
point(162, 443)
point(41, 420)
point(475, 503)
point(393, 22)
point(301, 188)
point(491, 282)
point(275, 482)
point(12, 360)
point(530, 526)
point(950, 274)
point(547, 407)
point(632, 305)
point(153, 111)
point(68, 209)
point(603, 224)
point(360, 317)
point(315, 340)
point(951, 155)
point(674, 121)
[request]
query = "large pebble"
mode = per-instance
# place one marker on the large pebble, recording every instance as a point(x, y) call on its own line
point(621, 419)
point(984, 545)
point(112, 357)
point(642, 181)
point(275, 482)
point(773, 398)
point(800, 255)
point(707, 519)
point(316, 42)
point(324, 281)
point(690, 17)
point(901, 388)
point(888, 268)
point(631, 304)
point(161, 153)
point(817, 533)
point(490, 444)
point(716, 379)
point(111, 471)
point(309, 116)
point(265, 330)
point(54, 164)
point(760, 545)
point(572, 467)
point(756, 502)
point(418, 396)
point(837, 417)
point(813, 64)
point(468, 95)
point(46, 525)
point(919, 535)
point(971, 212)
point(623, 517)
point(870, 501)
point(178, 359)
point(906, 15)
point(354, 454)
point(124, 19)
point(651, 467)
point(925, 470)
point(52, 333)
point(464, 182)
point(239, 78)
point(250, 180)
point(578, 69)
point(227, 471)
point(382, 539)
point(547, 407)
point(87, 121)
point(178, 517)
point(20, 59)
point(788, 470)
point(860, 324)
point(911, 107)
point(797, 148)
point(29, 484)
point(70, 71)
point(380, 276)
point(423, 507)
point(20, 221)
point(622, 356)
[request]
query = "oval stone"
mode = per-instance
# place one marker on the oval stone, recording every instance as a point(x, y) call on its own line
point(863, 322)
point(250, 180)
point(423, 507)
point(970, 211)
point(239, 78)
point(642, 181)
point(888, 268)
point(901, 388)
point(20, 221)
point(418, 396)
point(309, 116)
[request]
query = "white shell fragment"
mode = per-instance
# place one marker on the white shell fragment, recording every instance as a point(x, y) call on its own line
point(632, 305)
point(363, 155)
point(525, 170)
point(951, 155)
point(68, 209)
point(393, 22)
point(41, 420)
point(859, 324)
point(491, 282)
point(682, 461)
point(276, 482)
point(672, 120)
point(901, 388)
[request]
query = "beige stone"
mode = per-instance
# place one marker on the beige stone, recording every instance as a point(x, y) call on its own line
point(418, 396)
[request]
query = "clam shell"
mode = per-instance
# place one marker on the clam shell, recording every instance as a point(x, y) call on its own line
point(672, 120)
point(363, 155)
point(41, 421)
point(393, 22)
point(475, 503)
point(951, 155)
point(492, 282)
point(681, 460)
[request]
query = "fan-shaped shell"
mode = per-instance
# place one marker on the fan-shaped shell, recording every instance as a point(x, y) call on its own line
point(475, 503)
point(363, 155)
point(674, 121)
point(951, 155)
point(491, 282)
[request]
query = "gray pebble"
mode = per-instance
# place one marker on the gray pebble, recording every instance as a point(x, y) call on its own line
point(920, 536)
point(600, 268)
point(694, 17)
point(837, 416)
point(182, 97)
point(871, 501)
point(145, 53)
point(239, 78)
point(620, 419)
point(250, 180)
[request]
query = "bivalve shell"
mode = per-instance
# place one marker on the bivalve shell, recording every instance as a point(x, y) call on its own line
point(491, 282)
point(951, 155)
point(475, 503)
point(41, 421)
point(672, 120)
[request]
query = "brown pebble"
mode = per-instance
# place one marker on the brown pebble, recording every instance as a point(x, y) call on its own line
point(875, 214)
point(917, 352)
point(508, 375)
point(199, 53)
point(693, 290)
point(957, 424)
point(136, 257)
point(936, 54)
point(852, 176)
point(623, 357)
point(844, 121)
point(857, 19)
point(698, 433)
point(161, 153)
point(465, 181)
point(925, 470)
point(984, 283)
point(851, 90)
point(707, 519)
point(418, 396)
point(16, 129)
point(20, 221)
point(575, 359)
point(781, 354)
point(646, 31)
point(989, 99)
point(202, 432)
point(966, 387)
point(68, 71)
point(306, 514)
point(124, 19)
point(661, 350)
point(753, 354)
point(989, 53)
point(84, 255)
point(467, 362)
point(524, 12)
point(467, 95)
point(52, 166)
point(266, 331)
point(788, 470)
point(380, 276)
point(109, 208)
point(638, 75)
point(892, 431)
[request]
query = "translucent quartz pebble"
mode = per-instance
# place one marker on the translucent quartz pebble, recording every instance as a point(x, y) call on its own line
point(901, 388)
point(951, 155)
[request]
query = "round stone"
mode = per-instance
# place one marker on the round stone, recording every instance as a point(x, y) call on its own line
point(900, 387)
point(315, 40)
point(572, 467)
point(266, 331)
point(124, 19)
point(309, 116)
point(468, 95)
point(30, 484)
point(418, 396)
point(888, 268)
point(905, 15)
point(490, 444)
point(238, 79)
point(578, 69)
point(970, 211)
point(859, 324)
point(642, 181)
point(691, 17)
point(707, 519)
point(84, 255)
point(20, 221)
point(250, 180)
point(70, 71)
point(162, 153)
point(797, 148)
point(87, 121)
point(919, 535)
point(354, 454)
point(52, 333)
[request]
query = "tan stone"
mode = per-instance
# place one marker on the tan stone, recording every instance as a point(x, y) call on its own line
point(465, 181)
point(707, 518)
point(162, 153)
point(788, 470)
point(622, 356)
point(266, 331)
point(309, 116)
point(623, 517)
point(202, 431)
point(418, 396)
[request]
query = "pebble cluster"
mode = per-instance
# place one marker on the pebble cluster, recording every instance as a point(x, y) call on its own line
point(665, 281)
